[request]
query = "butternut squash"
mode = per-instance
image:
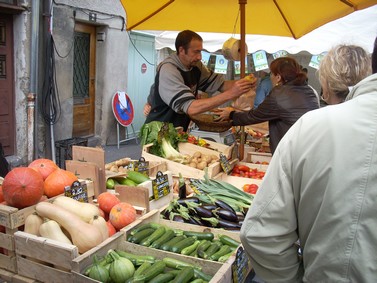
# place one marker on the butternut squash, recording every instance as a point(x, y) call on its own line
point(85, 210)
point(50, 229)
point(84, 235)
point(32, 223)
point(100, 223)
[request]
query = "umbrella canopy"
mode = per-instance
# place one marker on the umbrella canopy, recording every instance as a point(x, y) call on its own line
point(292, 18)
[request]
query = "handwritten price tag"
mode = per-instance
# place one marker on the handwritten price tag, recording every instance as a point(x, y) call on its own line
point(225, 165)
point(160, 185)
point(241, 266)
point(77, 191)
point(141, 166)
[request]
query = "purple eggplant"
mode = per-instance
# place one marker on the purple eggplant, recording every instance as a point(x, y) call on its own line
point(203, 212)
point(226, 214)
point(183, 201)
point(224, 205)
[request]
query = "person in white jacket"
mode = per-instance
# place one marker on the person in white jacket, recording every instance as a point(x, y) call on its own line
point(320, 188)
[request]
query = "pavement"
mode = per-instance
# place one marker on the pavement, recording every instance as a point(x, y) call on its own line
point(131, 149)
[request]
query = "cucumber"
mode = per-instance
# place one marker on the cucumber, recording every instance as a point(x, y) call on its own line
point(226, 240)
point(177, 248)
point(162, 278)
point(175, 240)
point(137, 177)
point(225, 249)
point(188, 250)
point(169, 234)
point(199, 235)
point(185, 275)
point(156, 268)
point(139, 236)
point(127, 182)
point(153, 237)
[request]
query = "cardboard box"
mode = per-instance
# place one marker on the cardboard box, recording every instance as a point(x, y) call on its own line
point(221, 272)
point(13, 219)
point(185, 170)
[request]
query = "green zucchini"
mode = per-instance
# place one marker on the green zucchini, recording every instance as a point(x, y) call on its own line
point(177, 248)
point(213, 248)
point(178, 264)
point(225, 257)
point(185, 275)
point(225, 249)
point(142, 268)
point(136, 259)
point(137, 177)
point(157, 268)
point(203, 246)
point(139, 236)
point(169, 234)
point(226, 240)
point(199, 235)
point(128, 182)
point(153, 237)
point(198, 280)
point(201, 275)
point(188, 250)
point(162, 278)
point(144, 226)
point(169, 244)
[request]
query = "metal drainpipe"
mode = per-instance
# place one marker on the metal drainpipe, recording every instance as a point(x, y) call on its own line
point(31, 97)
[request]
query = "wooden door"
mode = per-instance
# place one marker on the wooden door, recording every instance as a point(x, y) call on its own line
point(84, 80)
point(7, 117)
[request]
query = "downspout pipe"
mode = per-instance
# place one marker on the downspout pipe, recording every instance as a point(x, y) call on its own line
point(32, 108)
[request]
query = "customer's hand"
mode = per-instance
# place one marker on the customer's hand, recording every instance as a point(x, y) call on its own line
point(147, 109)
point(222, 114)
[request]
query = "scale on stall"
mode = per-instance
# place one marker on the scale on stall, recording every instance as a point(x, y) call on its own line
point(225, 137)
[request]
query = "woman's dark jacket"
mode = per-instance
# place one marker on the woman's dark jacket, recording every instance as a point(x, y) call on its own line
point(282, 108)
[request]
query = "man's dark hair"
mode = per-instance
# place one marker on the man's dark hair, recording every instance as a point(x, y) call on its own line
point(184, 38)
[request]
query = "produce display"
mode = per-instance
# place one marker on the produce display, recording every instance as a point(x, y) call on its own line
point(120, 266)
point(190, 243)
point(247, 172)
point(131, 178)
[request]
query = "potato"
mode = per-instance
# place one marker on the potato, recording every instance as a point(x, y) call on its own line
point(192, 164)
point(114, 168)
point(197, 154)
point(206, 158)
point(215, 157)
point(201, 165)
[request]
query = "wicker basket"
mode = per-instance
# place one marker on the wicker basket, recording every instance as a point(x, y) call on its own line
point(205, 122)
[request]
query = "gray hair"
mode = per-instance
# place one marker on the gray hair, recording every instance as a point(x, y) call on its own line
point(343, 67)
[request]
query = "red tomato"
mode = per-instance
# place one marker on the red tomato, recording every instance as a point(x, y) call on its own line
point(243, 168)
point(250, 188)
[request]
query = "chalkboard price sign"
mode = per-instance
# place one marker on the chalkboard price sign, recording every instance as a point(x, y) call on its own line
point(77, 191)
point(225, 165)
point(241, 266)
point(160, 185)
point(140, 166)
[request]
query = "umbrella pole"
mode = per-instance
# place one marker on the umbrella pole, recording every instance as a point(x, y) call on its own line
point(242, 65)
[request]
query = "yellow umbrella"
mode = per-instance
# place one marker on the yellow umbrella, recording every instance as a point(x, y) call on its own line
point(292, 18)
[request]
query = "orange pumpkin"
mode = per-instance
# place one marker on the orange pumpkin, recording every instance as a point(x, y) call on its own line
point(22, 187)
point(121, 215)
point(57, 181)
point(111, 228)
point(106, 201)
point(44, 166)
point(1, 194)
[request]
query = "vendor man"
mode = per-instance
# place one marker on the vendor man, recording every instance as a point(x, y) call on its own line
point(178, 80)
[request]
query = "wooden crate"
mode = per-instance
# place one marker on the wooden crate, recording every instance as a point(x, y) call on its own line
point(185, 170)
point(13, 220)
point(221, 272)
point(10, 277)
point(47, 260)
point(238, 182)
point(258, 157)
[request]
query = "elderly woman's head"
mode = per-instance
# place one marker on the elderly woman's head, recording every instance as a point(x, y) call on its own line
point(342, 67)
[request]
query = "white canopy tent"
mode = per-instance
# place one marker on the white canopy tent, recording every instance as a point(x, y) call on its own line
point(358, 28)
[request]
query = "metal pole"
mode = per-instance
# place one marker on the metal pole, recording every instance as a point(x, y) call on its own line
point(31, 105)
point(243, 55)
